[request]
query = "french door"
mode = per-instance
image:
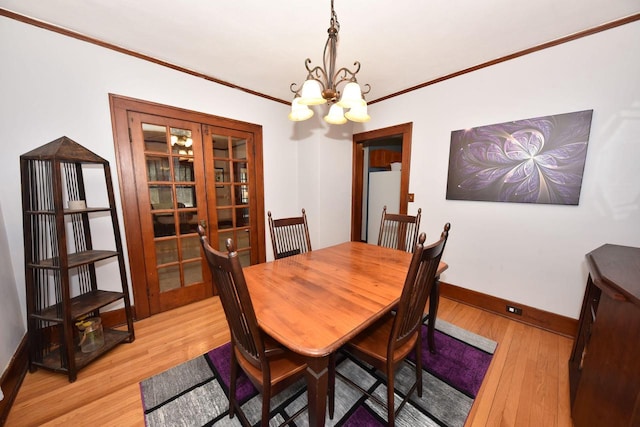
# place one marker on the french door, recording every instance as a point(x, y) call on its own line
point(185, 173)
point(172, 201)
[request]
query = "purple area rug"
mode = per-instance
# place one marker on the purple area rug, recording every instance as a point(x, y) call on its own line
point(195, 393)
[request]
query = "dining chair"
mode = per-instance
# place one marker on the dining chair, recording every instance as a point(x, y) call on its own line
point(387, 343)
point(269, 366)
point(399, 231)
point(289, 236)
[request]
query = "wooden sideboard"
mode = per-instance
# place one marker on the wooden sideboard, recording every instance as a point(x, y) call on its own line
point(604, 368)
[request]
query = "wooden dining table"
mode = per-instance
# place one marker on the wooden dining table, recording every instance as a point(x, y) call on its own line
point(315, 302)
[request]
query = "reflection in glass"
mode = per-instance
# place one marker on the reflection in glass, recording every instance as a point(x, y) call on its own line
point(245, 258)
point(188, 222)
point(242, 239)
point(169, 278)
point(220, 146)
point(242, 194)
point(222, 240)
point(166, 251)
point(240, 172)
point(192, 273)
point(225, 219)
point(221, 164)
point(239, 148)
point(158, 169)
point(155, 138)
point(190, 247)
point(222, 173)
point(186, 195)
point(242, 217)
point(181, 142)
point(223, 195)
point(161, 196)
point(164, 224)
point(183, 169)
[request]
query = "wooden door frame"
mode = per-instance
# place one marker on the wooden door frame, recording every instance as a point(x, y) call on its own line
point(359, 141)
point(120, 106)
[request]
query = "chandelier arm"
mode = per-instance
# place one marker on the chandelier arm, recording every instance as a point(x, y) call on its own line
point(329, 56)
point(316, 73)
point(346, 75)
point(292, 88)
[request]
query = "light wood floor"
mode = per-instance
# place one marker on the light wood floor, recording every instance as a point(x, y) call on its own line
point(527, 383)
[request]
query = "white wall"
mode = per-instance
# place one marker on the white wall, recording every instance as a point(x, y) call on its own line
point(11, 319)
point(532, 254)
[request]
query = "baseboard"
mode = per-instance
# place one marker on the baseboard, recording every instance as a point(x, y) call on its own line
point(116, 317)
point(531, 316)
point(12, 379)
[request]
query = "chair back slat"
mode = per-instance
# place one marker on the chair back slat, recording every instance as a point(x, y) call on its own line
point(417, 287)
point(399, 231)
point(289, 236)
point(236, 302)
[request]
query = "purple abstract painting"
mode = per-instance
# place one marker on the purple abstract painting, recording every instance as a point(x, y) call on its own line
point(537, 160)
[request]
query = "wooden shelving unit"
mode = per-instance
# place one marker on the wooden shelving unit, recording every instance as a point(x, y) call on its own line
point(62, 282)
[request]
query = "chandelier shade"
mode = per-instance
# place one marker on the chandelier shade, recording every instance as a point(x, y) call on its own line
point(312, 93)
point(336, 115)
point(351, 96)
point(299, 111)
point(322, 86)
point(358, 113)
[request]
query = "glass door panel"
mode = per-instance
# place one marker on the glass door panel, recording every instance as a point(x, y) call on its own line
point(174, 203)
point(233, 167)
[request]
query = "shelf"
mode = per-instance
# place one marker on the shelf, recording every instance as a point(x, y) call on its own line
point(112, 337)
point(68, 211)
point(86, 210)
point(77, 259)
point(80, 305)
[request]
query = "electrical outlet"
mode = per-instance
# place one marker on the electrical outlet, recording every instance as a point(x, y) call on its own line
point(514, 310)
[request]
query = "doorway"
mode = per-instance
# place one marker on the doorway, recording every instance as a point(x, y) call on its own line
point(180, 169)
point(399, 135)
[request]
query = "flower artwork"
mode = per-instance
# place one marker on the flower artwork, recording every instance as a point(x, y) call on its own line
point(537, 160)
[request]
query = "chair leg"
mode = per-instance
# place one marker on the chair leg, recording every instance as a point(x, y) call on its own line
point(332, 384)
point(419, 364)
point(266, 405)
point(232, 384)
point(391, 411)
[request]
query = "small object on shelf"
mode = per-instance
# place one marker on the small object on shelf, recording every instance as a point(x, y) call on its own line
point(63, 286)
point(77, 204)
point(92, 335)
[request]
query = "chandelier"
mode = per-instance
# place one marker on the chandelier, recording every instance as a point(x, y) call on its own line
point(321, 86)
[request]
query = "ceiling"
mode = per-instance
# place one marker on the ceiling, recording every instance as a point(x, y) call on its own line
point(261, 45)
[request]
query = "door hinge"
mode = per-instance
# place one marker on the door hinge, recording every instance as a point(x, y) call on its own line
point(130, 138)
